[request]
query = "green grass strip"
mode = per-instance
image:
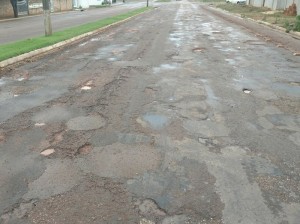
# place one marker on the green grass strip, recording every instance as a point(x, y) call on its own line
point(17, 48)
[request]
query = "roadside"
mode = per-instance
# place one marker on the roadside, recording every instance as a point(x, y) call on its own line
point(274, 19)
point(29, 27)
point(267, 33)
point(27, 48)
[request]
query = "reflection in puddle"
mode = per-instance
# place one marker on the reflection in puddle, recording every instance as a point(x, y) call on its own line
point(2, 82)
point(211, 98)
point(165, 67)
point(155, 120)
point(37, 78)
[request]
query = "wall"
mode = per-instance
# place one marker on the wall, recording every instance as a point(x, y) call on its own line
point(258, 3)
point(6, 9)
point(36, 6)
point(62, 5)
point(275, 4)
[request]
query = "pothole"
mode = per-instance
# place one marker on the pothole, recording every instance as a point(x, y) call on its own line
point(199, 49)
point(86, 123)
point(217, 32)
point(86, 149)
point(247, 91)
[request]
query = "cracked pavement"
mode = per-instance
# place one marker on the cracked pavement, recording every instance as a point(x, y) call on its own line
point(180, 115)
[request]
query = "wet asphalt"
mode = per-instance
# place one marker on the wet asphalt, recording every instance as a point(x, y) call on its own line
point(177, 116)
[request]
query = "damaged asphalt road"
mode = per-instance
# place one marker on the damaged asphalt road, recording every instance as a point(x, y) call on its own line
point(177, 116)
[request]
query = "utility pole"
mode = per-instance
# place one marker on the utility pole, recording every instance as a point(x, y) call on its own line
point(47, 18)
point(147, 3)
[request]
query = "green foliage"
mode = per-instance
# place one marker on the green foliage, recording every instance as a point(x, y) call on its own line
point(292, 26)
point(106, 2)
point(287, 26)
point(25, 46)
point(297, 24)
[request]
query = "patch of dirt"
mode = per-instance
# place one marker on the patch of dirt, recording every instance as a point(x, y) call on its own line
point(120, 160)
point(285, 189)
point(176, 130)
point(287, 105)
point(71, 142)
point(94, 200)
point(86, 149)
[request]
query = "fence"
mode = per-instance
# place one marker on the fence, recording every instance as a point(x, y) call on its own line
point(275, 4)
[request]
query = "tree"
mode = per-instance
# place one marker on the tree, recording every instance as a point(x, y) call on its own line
point(47, 18)
point(15, 7)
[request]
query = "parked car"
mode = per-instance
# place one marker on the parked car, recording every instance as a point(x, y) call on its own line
point(236, 1)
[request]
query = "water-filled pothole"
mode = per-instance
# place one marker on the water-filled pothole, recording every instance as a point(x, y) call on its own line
point(199, 49)
point(156, 121)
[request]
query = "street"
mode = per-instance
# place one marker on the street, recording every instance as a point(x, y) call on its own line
point(33, 26)
point(183, 114)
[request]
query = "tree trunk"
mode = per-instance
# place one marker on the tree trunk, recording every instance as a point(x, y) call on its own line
point(15, 7)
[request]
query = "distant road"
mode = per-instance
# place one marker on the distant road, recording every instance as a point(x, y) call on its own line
point(32, 26)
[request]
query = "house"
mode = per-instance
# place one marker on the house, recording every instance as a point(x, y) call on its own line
point(275, 4)
point(32, 7)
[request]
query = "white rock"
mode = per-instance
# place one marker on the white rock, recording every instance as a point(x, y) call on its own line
point(47, 152)
point(86, 88)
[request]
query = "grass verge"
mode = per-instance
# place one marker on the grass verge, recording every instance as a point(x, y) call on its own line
point(259, 13)
point(17, 48)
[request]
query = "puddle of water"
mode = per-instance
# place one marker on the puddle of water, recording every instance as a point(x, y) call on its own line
point(155, 120)
point(230, 61)
point(83, 44)
point(86, 88)
point(2, 82)
point(95, 39)
point(111, 59)
point(39, 124)
point(293, 90)
point(199, 49)
point(165, 67)
point(37, 78)
point(211, 98)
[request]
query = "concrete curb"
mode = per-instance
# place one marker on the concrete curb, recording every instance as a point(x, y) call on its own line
point(291, 33)
point(61, 44)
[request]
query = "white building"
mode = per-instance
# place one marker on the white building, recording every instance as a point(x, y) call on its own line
point(86, 3)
